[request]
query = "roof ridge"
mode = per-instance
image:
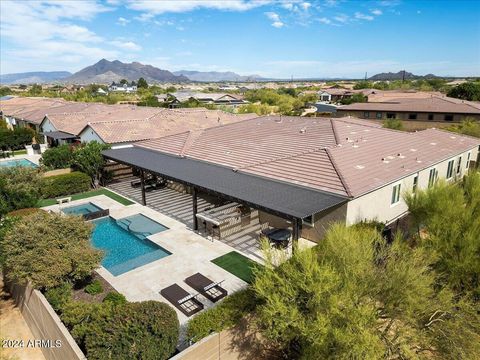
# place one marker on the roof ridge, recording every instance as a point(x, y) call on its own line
point(340, 176)
point(334, 130)
point(192, 136)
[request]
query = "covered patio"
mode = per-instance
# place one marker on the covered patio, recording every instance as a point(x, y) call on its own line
point(210, 187)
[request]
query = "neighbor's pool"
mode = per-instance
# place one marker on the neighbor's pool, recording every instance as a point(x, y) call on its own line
point(82, 209)
point(17, 162)
point(125, 250)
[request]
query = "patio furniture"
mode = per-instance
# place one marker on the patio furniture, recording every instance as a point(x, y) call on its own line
point(182, 300)
point(211, 290)
point(279, 238)
point(64, 200)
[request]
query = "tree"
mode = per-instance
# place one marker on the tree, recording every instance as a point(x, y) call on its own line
point(142, 330)
point(354, 296)
point(35, 90)
point(466, 91)
point(355, 98)
point(395, 124)
point(469, 126)
point(88, 159)
point(16, 138)
point(450, 218)
point(4, 90)
point(19, 188)
point(142, 83)
point(363, 84)
point(49, 249)
point(123, 81)
point(59, 157)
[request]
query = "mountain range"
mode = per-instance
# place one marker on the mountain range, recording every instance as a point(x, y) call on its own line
point(214, 76)
point(36, 77)
point(400, 76)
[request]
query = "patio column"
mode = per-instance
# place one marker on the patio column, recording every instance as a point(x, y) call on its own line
point(295, 232)
point(142, 183)
point(194, 200)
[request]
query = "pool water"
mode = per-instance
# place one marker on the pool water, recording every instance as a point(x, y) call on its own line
point(141, 225)
point(124, 250)
point(17, 162)
point(82, 209)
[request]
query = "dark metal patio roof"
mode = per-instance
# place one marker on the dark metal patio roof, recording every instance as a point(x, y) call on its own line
point(59, 135)
point(286, 200)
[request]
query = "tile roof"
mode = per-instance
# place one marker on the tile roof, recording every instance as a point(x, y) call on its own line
point(346, 156)
point(433, 104)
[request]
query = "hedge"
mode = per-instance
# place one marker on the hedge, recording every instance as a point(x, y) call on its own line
point(65, 184)
point(23, 212)
point(58, 157)
point(225, 315)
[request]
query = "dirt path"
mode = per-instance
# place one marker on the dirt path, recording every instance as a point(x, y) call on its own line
point(14, 327)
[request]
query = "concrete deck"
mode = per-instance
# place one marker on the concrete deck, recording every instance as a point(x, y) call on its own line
point(33, 158)
point(191, 253)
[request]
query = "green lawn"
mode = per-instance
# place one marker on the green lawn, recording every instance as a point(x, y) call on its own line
point(238, 265)
point(20, 152)
point(112, 195)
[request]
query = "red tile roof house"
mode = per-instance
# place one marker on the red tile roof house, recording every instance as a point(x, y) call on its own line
point(434, 108)
point(305, 173)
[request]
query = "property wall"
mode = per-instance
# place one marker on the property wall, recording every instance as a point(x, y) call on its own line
point(45, 324)
point(404, 115)
point(376, 205)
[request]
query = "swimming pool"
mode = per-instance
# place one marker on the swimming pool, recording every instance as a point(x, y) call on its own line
point(124, 250)
point(141, 225)
point(82, 209)
point(18, 162)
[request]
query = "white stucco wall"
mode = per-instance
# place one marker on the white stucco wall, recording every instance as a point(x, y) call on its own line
point(88, 135)
point(376, 205)
point(48, 126)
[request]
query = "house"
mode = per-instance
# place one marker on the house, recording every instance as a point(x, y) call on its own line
point(304, 173)
point(433, 108)
point(232, 100)
point(125, 88)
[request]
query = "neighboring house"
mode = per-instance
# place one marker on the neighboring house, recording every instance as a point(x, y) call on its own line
point(324, 96)
point(305, 173)
point(100, 91)
point(125, 88)
point(206, 98)
point(433, 108)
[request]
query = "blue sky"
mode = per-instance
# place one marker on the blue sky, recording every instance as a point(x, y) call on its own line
point(270, 38)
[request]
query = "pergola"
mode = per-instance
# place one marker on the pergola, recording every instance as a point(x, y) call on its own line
point(286, 200)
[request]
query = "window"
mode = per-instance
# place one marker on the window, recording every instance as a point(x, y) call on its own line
point(412, 116)
point(450, 169)
point(366, 114)
point(430, 116)
point(391, 116)
point(448, 117)
point(396, 194)
point(308, 220)
point(468, 160)
point(432, 177)
point(459, 165)
point(415, 183)
point(378, 115)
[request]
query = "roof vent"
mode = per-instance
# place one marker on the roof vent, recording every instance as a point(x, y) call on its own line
point(359, 167)
point(303, 130)
point(433, 143)
point(355, 145)
point(413, 150)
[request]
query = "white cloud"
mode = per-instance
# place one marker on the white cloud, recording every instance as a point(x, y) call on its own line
point(277, 24)
point(342, 18)
point(324, 20)
point(361, 16)
point(287, 5)
point(377, 12)
point(306, 5)
point(126, 45)
point(171, 6)
point(273, 16)
point(122, 21)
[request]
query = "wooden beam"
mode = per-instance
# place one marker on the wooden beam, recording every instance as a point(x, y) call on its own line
point(195, 208)
point(142, 184)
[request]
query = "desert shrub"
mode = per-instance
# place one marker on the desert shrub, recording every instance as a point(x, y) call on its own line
point(115, 298)
point(24, 212)
point(395, 124)
point(224, 315)
point(94, 288)
point(48, 249)
point(59, 296)
point(151, 332)
point(19, 188)
point(58, 157)
point(65, 184)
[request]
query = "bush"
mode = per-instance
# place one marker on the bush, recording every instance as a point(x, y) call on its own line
point(19, 188)
point(224, 315)
point(94, 288)
point(49, 249)
point(24, 212)
point(115, 298)
point(59, 157)
point(395, 124)
point(65, 184)
point(151, 332)
point(59, 296)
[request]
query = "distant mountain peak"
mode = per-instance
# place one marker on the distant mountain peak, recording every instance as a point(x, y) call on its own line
point(402, 74)
point(214, 76)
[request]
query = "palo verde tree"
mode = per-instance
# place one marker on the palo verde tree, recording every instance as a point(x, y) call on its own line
point(355, 297)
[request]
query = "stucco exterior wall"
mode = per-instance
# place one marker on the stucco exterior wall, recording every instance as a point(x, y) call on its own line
point(88, 135)
point(421, 116)
point(48, 126)
point(322, 221)
point(376, 205)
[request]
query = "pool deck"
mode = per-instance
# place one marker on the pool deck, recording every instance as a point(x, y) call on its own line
point(33, 158)
point(191, 253)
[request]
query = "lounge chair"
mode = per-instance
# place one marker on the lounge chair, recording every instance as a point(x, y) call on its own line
point(182, 300)
point(211, 290)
